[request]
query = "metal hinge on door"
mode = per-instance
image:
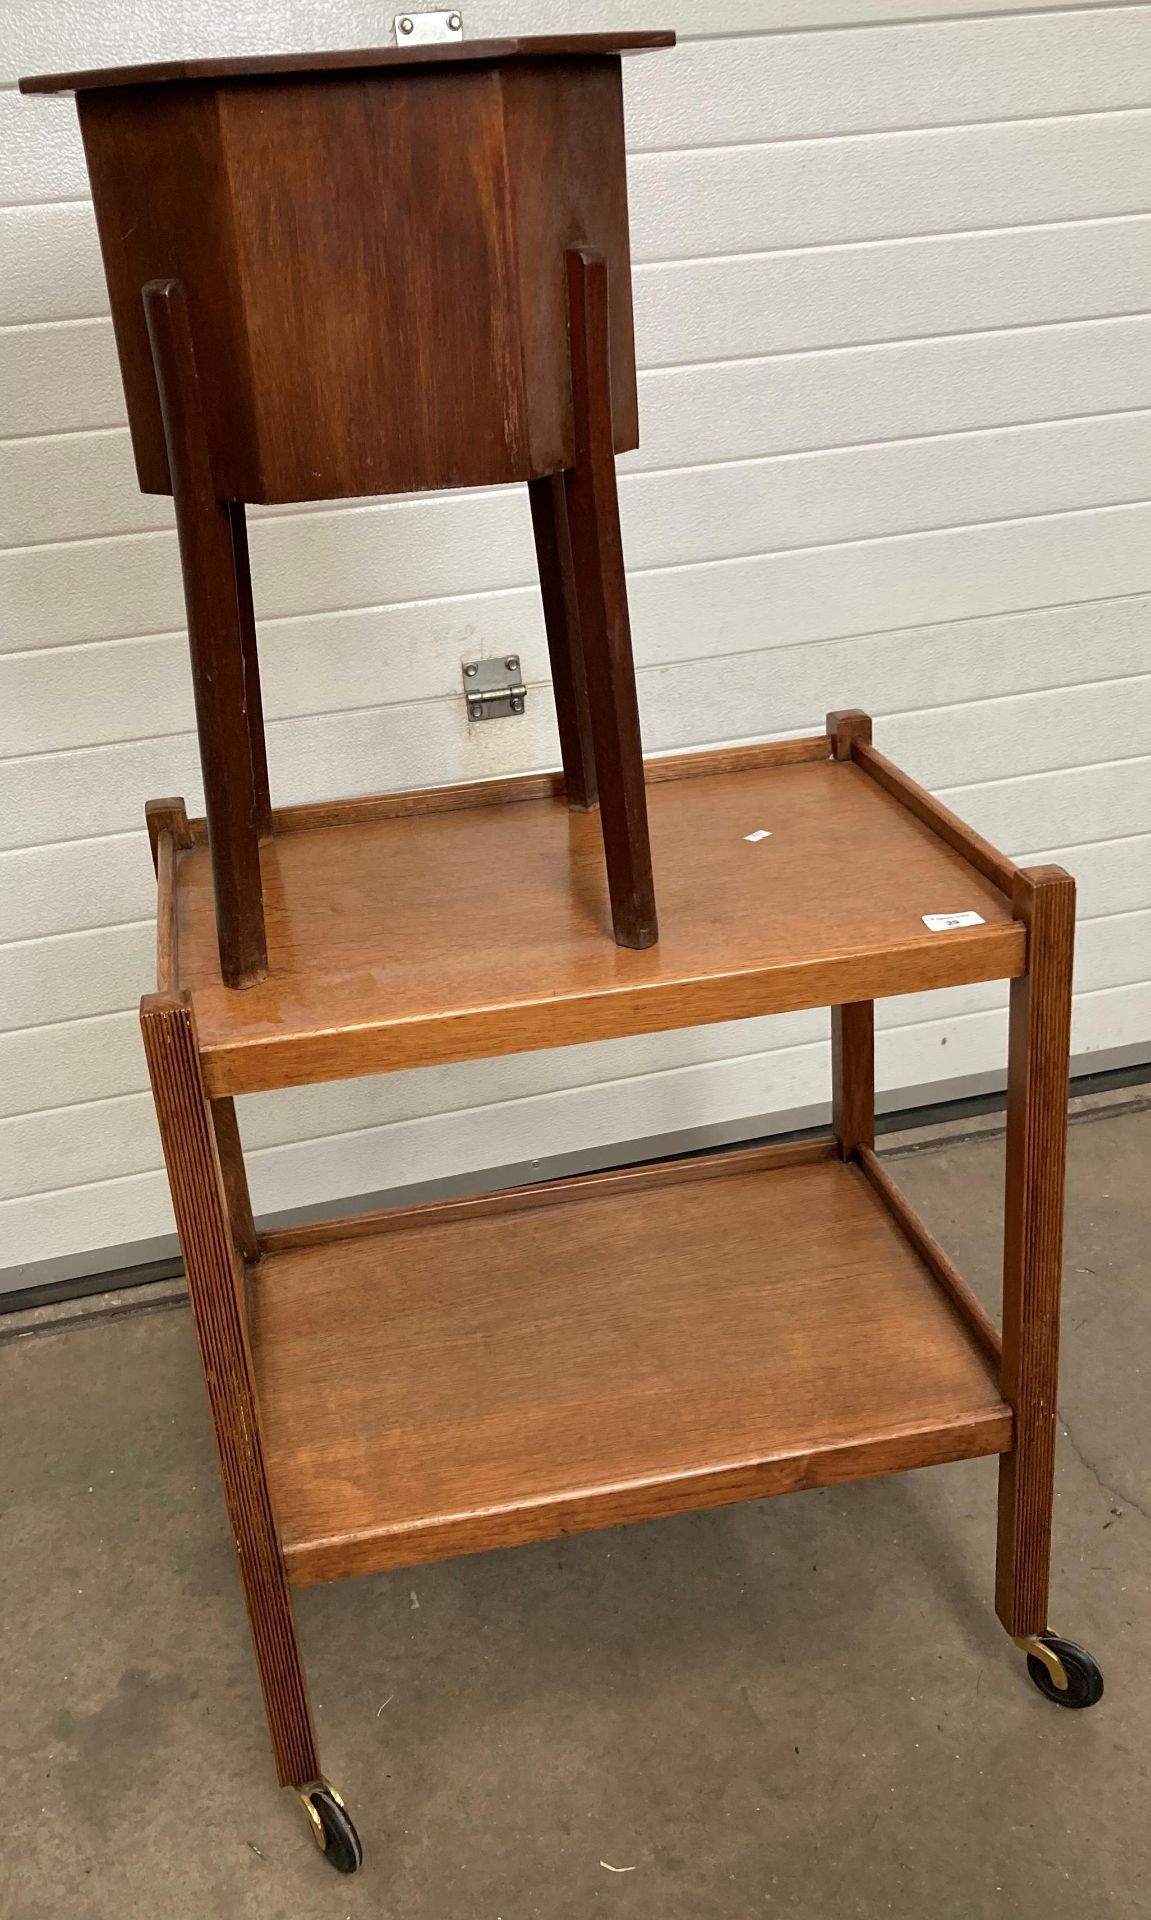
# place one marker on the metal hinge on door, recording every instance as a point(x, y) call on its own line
point(494, 689)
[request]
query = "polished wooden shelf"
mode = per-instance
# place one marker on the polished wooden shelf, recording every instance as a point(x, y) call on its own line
point(485, 1372)
point(452, 923)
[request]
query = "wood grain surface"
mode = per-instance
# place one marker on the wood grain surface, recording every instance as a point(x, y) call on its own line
point(634, 1349)
point(402, 329)
point(967, 1304)
point(390, 946)
point(234, 1178)
point(215, 1286)
point(221, 641)
point(1038, 1063)
point(249, 647)
point(552, 536)
point(853, 1076)
point(455, 53)
point(995, 866)
point(601, 596)
point(506, 790)
point(553, 1193)
point(852, 1025)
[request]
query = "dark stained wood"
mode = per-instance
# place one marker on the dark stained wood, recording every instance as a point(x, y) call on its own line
point(162, 201)
point(1038, 1053)
point(330, 368)
point(404, 328)
point(230, 1153)
point(368, 973)
point(253, 698)
point(967, 1304)
point(214, 1284)
point(636, 1350)
point(561, 619)
point(985, 858)
point(566, 168)
point(853, 1076)
point(852, 1025)
point(454, 53)
point(597, 552)
point(215, 638)
point(846, 728)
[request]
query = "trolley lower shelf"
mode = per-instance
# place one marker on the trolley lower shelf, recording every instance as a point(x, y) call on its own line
point(485, 1372)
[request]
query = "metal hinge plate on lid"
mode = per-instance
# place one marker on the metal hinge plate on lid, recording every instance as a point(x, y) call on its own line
point(432, 29)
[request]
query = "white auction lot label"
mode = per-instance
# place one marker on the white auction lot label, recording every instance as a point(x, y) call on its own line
point(943, 922)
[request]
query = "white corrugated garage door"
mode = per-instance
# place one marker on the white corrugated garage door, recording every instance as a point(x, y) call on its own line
point(893, 301)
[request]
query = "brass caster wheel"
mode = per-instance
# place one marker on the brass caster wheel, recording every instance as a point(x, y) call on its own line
point(1062, 1671)
point(331, 1825)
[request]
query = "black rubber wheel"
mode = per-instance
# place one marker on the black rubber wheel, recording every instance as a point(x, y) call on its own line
point(1084, 1680)
point(343, 1849)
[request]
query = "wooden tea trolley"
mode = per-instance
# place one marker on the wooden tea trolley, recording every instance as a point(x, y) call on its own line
point(395, 1388)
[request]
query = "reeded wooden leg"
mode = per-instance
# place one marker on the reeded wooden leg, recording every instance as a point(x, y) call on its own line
point(216, 640)
point(215, 1287)
point(561, 619)
point(1033, 1242)
point(601, 588)
point(253, 698)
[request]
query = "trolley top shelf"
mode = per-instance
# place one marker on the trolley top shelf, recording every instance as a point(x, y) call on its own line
point(453, 923)
point(257, 66)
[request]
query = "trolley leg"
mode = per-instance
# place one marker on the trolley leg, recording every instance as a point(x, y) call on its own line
point(223, 667)
point(215, 1288)
point(852, 1027)
point(561, 619)
point(234, 1176)
point(1032, 1243)
point(601, 590)
point(1032, 1270)
point(853, 1076)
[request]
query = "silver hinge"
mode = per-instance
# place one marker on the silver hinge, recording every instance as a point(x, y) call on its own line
point(427, 29)
point(494, 689)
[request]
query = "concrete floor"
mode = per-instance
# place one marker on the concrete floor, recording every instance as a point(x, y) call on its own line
point(800, 1707)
